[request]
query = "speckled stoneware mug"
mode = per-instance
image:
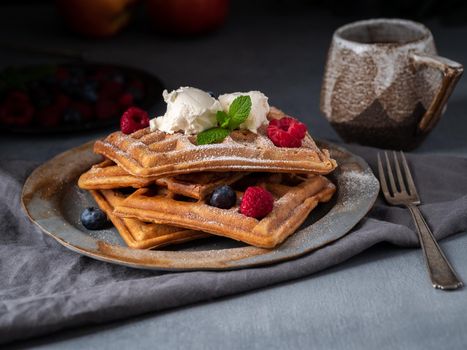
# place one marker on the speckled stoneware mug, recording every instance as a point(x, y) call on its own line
point(384, 84)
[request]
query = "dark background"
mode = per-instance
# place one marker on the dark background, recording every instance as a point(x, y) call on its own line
point(449, 12)
point(278, 47)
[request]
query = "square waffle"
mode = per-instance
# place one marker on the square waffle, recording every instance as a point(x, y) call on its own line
point(108, 175)
point(158, 154)
point(295, 197)
point(139, 234)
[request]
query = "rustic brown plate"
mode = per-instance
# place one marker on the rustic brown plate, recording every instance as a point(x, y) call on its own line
point(54, 202)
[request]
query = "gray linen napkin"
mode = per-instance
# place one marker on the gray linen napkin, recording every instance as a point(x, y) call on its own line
point(44, 287)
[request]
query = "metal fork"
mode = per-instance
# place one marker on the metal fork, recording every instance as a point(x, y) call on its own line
point(441, 272)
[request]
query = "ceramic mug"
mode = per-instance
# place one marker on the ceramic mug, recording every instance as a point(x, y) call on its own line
point(384, 84)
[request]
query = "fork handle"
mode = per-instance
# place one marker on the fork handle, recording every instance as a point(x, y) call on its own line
point(441, 272)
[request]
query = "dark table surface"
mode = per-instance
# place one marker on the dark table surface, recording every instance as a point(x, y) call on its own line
point(379, 299)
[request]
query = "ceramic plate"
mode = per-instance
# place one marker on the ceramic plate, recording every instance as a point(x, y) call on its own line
point(53, 201)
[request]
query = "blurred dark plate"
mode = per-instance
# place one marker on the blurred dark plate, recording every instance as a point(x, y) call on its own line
point(152, 98)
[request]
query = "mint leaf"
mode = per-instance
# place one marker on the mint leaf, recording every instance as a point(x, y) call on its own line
point(239, 111)
point(223, 119)
point(212, 135)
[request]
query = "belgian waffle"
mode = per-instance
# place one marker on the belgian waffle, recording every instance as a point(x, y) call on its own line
point(158, 154)
point(139, 234)
point(108, 175)
point(295, 197)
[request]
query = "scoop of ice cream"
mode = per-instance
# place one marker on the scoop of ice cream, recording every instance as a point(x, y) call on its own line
point(259, 108)
point(189, 110)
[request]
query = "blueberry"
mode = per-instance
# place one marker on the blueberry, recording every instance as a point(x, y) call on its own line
point(223, 197)
point(72, 116)
point(94, 219)
point(89, 93)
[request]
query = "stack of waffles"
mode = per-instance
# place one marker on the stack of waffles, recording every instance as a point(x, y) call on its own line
point(155, 187)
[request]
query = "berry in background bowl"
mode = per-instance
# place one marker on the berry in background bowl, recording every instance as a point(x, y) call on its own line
point(17, 109)
point(72, 97)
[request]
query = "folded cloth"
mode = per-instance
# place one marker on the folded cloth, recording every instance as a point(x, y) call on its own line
point(45, 287)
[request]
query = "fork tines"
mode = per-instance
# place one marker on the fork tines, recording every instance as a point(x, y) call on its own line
point(405, 186)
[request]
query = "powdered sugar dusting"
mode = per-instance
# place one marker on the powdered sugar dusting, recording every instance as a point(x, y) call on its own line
point(353, 181)
point(242, 150)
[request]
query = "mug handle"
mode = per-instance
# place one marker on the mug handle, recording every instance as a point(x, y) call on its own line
point(451, 71)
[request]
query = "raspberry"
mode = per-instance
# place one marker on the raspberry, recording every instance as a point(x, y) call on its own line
point(133, 119)
point(62, 101)
point(126, 100)
point(62, 73)
point(298, 130)
point(256, 202)
point(286, 132)
point(17, 98)
point(110, 90)
point(282, 138)
point(50, 116)
point(17, 109)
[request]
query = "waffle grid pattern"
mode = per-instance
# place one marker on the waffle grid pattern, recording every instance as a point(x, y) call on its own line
point(139, 234)
point(295, 197)
point(145, 154)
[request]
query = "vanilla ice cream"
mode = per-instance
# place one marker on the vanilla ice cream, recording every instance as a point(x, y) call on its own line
point(189, 110)
point(259, 108)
